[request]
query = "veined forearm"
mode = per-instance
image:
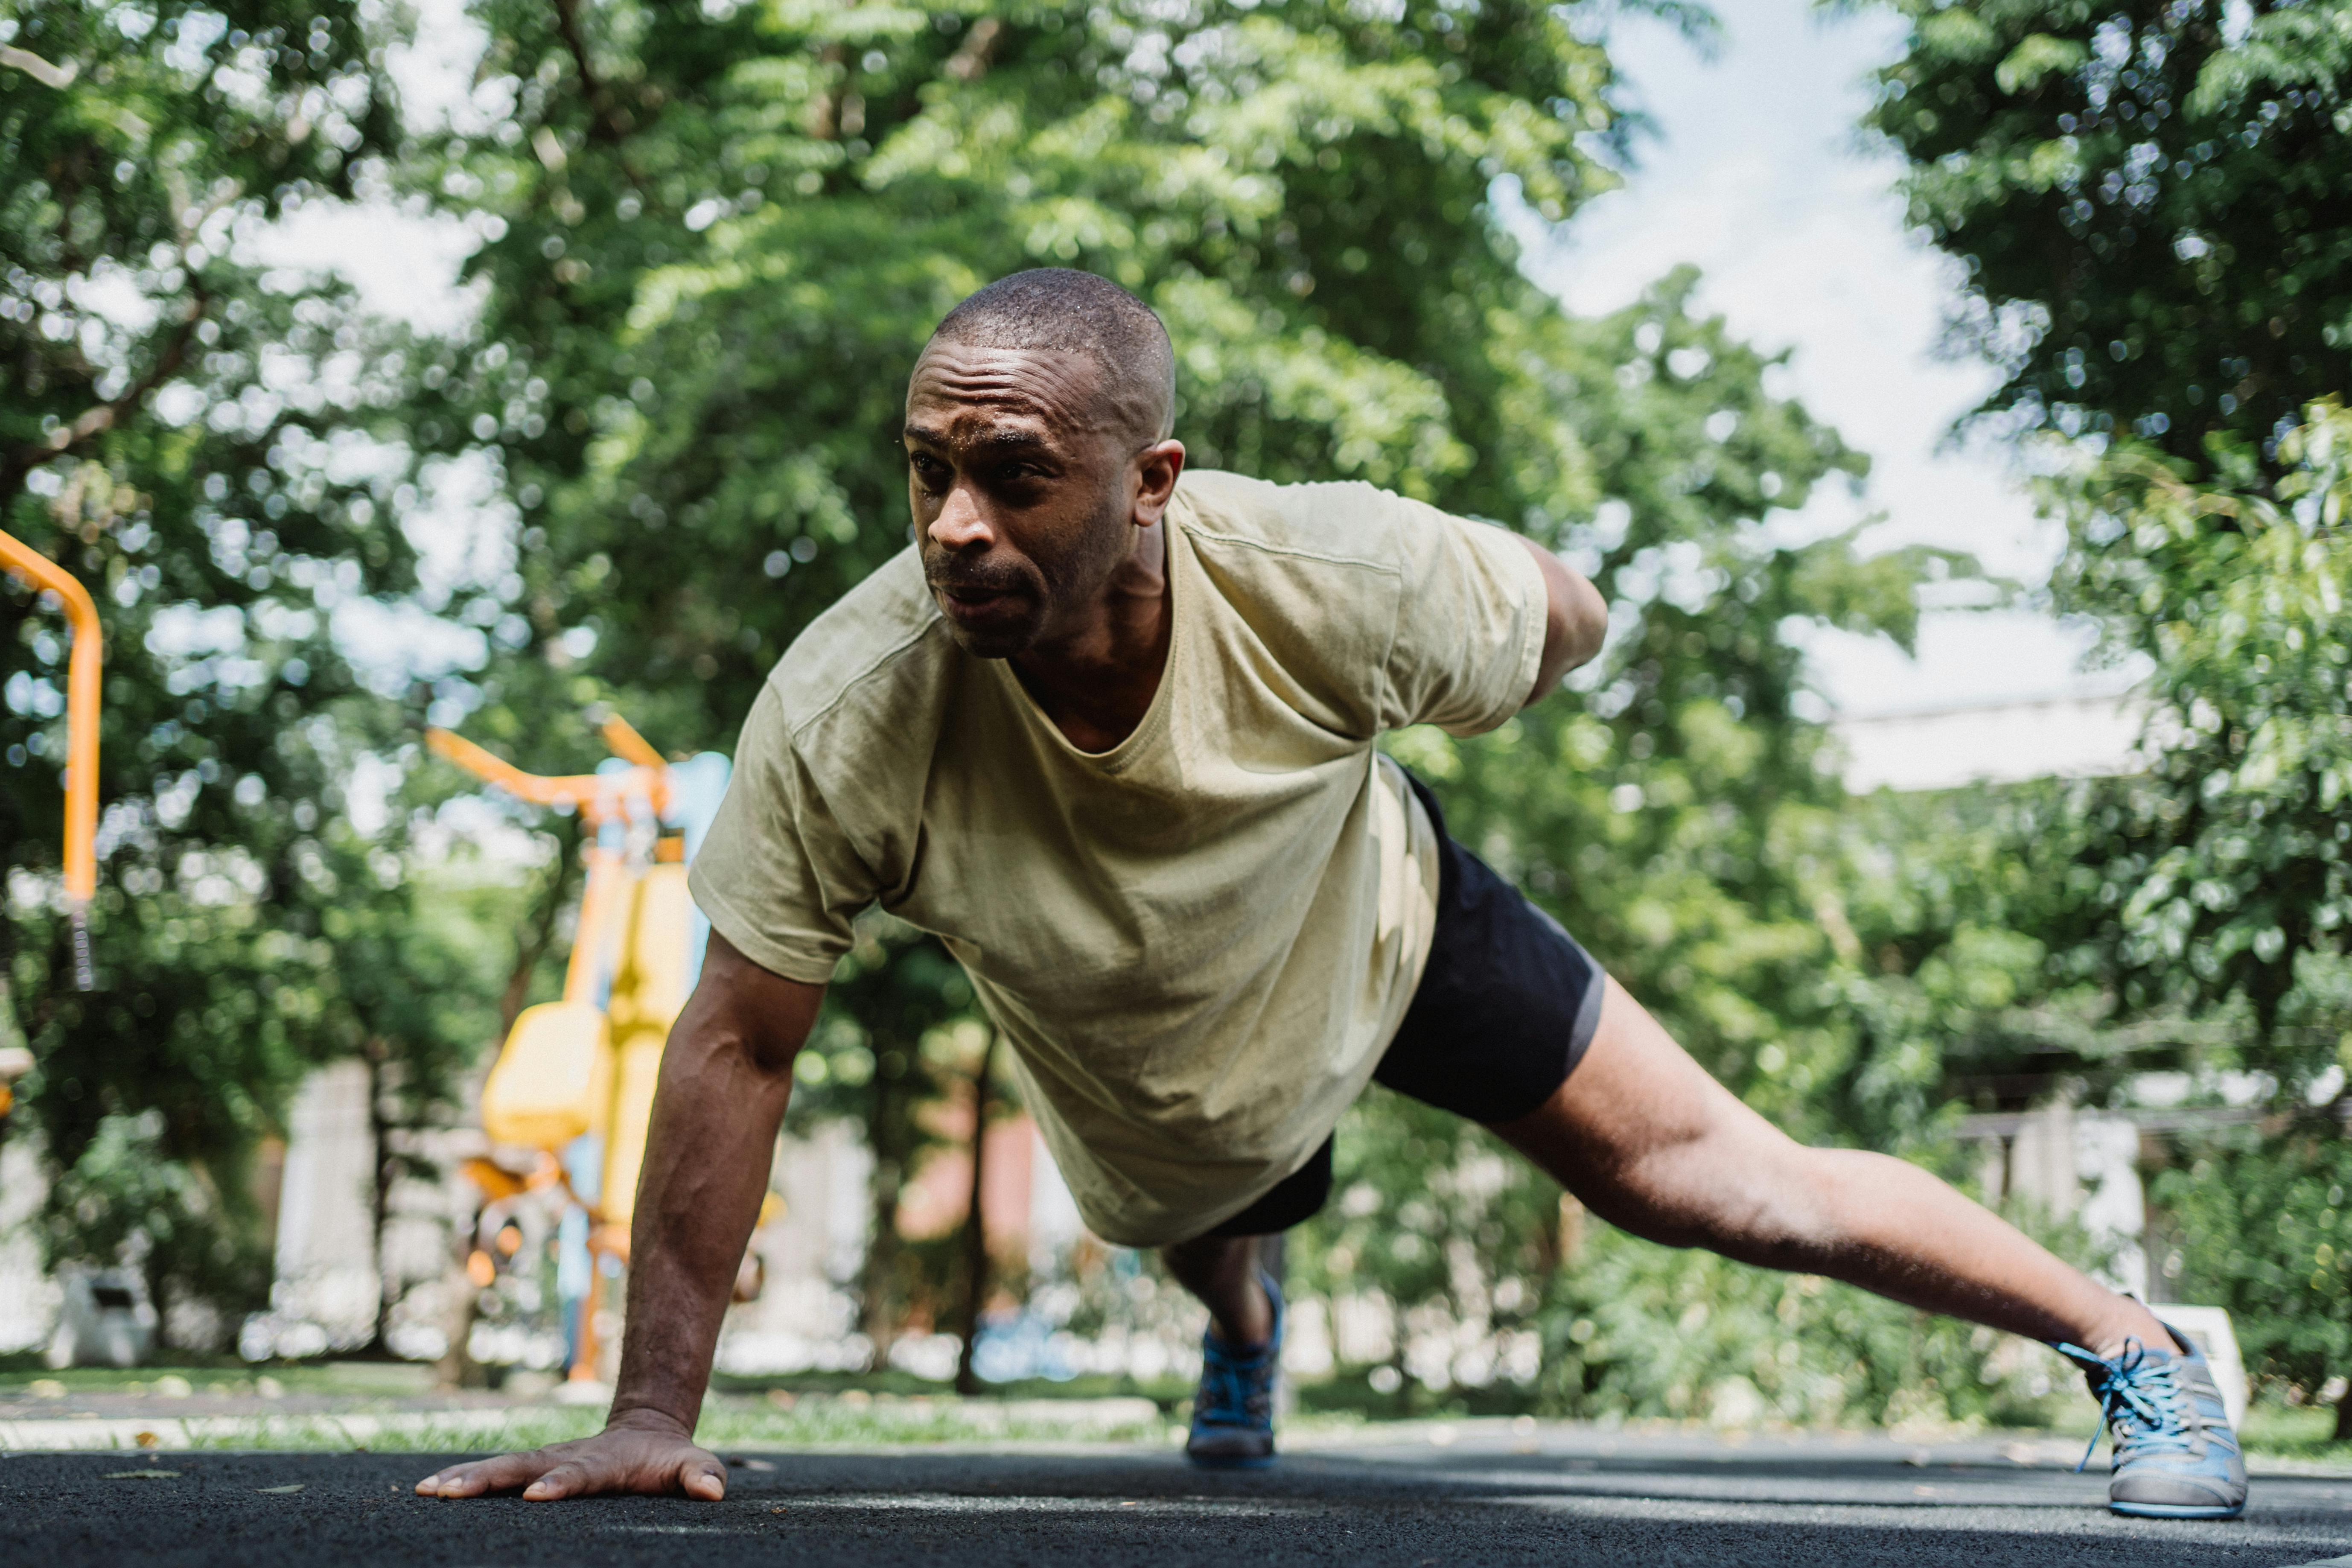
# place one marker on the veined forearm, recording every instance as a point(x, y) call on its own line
point(724, 1087)
point(707, 1159)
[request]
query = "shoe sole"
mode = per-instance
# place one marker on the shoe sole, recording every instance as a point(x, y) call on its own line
point(2175, 1510)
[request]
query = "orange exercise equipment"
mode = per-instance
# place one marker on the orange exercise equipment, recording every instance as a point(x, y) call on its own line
point(81, 738)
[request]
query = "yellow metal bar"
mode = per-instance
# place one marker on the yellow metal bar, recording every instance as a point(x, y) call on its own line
point(81, 739)
point(630, 746)
point(81, 713)
point(598, 903)
point(594, 795)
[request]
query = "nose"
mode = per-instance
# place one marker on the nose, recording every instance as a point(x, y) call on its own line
point(961, 525)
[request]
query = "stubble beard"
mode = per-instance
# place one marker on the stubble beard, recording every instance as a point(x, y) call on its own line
point(1049, 585)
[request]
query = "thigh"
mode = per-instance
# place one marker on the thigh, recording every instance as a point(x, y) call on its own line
point(1644, 1135)
point(1507, 1001)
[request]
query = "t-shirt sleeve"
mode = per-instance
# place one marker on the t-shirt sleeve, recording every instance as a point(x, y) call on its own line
point(776, 875)
point(1470, 624)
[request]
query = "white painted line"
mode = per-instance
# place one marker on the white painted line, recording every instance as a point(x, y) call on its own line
point(2324, 1562)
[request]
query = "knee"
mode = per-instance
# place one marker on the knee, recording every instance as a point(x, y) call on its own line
point(1209, 1257)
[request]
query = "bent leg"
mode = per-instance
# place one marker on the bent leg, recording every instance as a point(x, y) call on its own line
point(1653, 1144)
point(1221, 1271)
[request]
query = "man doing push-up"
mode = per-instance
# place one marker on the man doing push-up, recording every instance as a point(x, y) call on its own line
point(1107, 730)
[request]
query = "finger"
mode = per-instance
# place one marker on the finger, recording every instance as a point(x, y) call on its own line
point(501, 1474)
point(562, 1481)
point(703, 1477)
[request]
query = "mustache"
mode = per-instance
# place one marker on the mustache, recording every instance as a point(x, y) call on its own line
point(953, 575)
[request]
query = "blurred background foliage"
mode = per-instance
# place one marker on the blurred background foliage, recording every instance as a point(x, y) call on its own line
point(712, 239)
point(2149, 203)
point(211, 445)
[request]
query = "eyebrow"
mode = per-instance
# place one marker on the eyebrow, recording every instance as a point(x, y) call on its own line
point(1016, 440)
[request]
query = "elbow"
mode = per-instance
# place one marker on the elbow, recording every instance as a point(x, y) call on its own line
point(743, 1014)
point(1576, 620)
point(768, 1054)
point(1588, 627)
point(1576, 629)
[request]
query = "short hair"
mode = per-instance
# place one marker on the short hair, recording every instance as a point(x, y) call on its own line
point(1065, 311)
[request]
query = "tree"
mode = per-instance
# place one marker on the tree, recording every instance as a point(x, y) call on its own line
point(877, 1057)
point(184, 429)
point(2263, 1220)
point(2149, 202)
point(973, 1286)
point(2153, 220)
point(2236, 875)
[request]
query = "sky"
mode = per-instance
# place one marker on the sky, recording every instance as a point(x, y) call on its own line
point(1757, 174)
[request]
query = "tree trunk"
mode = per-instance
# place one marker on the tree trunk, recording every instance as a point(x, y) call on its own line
point(380, 1195)
point(879, 1311)
point(975, 1225)
point(2344, 1416)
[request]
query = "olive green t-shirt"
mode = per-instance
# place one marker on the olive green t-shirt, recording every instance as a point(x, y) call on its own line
point(1199, 942)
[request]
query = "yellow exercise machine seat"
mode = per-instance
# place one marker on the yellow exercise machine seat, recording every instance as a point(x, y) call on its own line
point(553, 1081)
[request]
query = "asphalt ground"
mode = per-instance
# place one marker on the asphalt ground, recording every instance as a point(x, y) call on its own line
point(1476, 1498)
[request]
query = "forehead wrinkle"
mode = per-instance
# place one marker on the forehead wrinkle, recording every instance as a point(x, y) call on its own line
point(1055, 387)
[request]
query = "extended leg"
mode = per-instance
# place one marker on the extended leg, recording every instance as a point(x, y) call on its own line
point(1656, 1146)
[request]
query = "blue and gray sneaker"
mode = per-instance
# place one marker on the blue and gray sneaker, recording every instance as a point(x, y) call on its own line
point(1233, 1413)
point(2175, 1456)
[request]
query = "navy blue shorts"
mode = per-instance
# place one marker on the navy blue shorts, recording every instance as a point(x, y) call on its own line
point(1506, 1005)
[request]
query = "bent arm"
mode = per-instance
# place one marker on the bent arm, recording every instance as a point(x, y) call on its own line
point(726, 1078)
point(1576, 619)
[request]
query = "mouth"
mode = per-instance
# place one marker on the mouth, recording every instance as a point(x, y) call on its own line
point(973, 606)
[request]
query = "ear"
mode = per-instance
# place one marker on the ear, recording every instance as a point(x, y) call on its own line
point(1157, 468)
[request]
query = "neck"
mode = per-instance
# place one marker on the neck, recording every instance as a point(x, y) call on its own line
point(1096, 681)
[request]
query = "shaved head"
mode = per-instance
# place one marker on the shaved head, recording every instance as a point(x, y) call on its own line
point(1056, 309)
point(1039, 464)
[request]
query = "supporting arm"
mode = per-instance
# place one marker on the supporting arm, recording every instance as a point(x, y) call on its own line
point(726, 1078)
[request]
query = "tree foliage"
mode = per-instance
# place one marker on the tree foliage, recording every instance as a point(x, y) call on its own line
point(2150, 200)
point(2235, 592)
point(2263, 1224)
point(191, 432)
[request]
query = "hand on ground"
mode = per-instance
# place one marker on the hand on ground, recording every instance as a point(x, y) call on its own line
point(661, 1462)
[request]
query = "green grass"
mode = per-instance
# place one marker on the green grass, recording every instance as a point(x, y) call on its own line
point(1165, 1392)
point(335, 1379)
point(819, 1410)
point(2301, 1432)
point(810, 1424)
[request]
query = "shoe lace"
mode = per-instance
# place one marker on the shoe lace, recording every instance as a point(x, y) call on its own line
point(2141, 1398)
point(1235, 1387)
